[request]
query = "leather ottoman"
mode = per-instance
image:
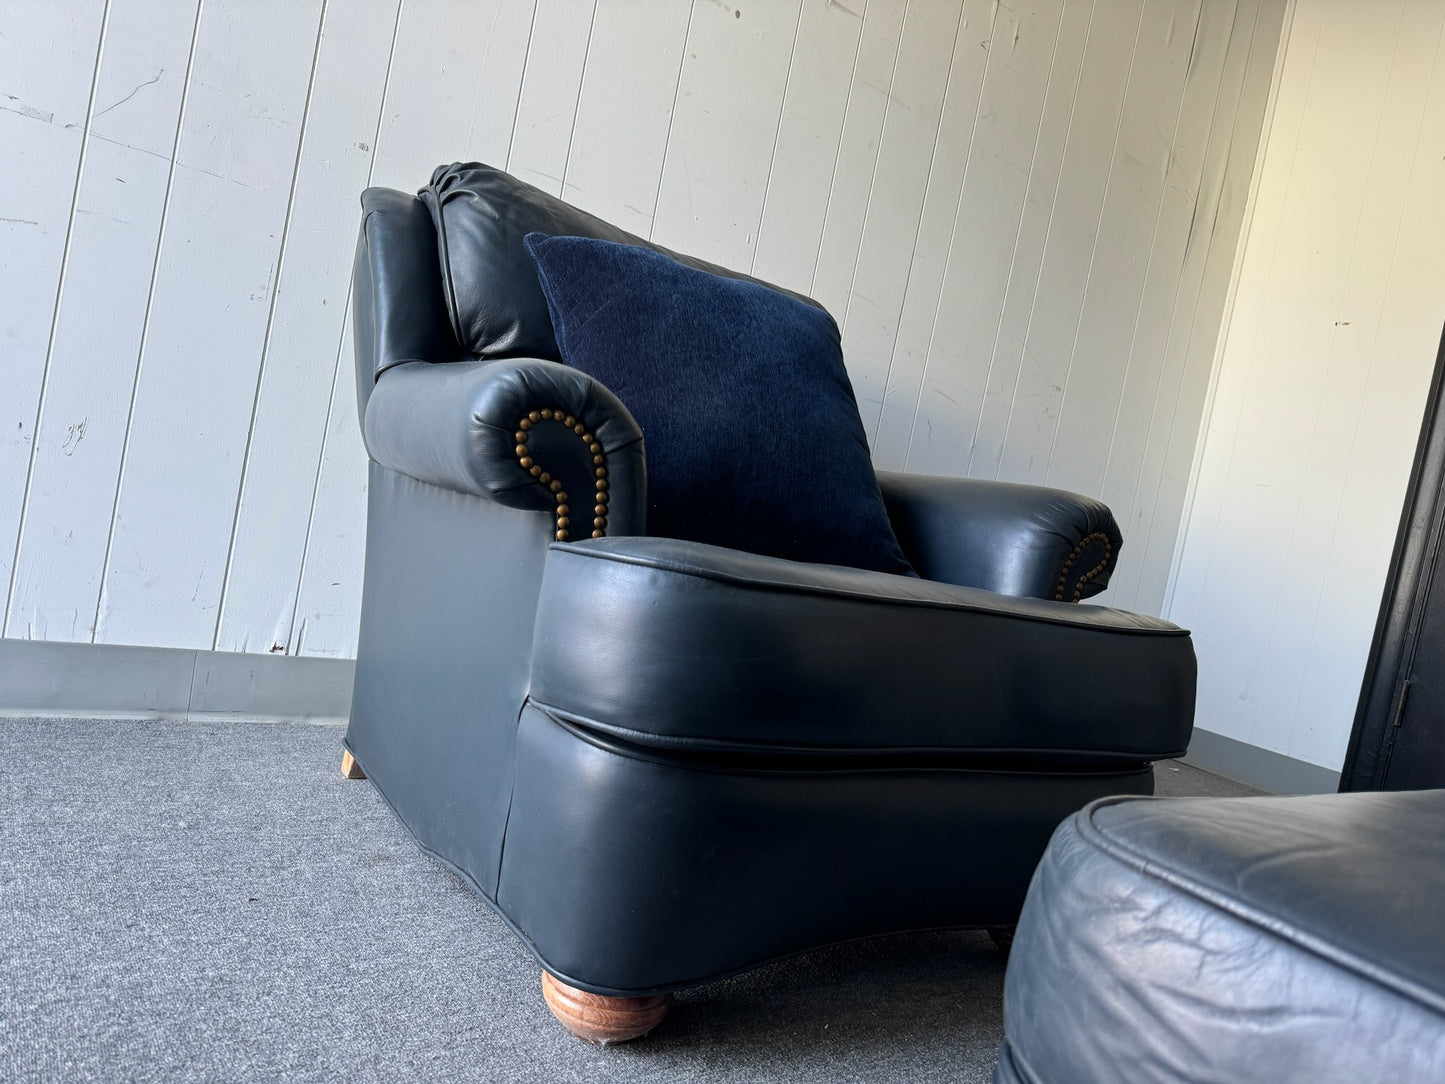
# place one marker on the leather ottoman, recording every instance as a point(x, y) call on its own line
point(1234, 939)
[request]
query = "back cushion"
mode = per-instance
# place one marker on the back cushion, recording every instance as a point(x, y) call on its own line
point(495, 302)
point(753, 436)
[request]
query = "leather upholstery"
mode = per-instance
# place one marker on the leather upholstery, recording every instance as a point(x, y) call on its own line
point(496, 305)
point(662, 761)
point(715, 648)
point(397, 309)
point(1211, 939)
point(633, 869)
point(1001, 536)
point(442, 663)
point(456, 425)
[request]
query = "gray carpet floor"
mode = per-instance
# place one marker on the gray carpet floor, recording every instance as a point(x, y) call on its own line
point(212, 901)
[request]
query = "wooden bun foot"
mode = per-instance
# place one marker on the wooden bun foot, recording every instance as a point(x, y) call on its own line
point(349, 767)
point(594, 1018)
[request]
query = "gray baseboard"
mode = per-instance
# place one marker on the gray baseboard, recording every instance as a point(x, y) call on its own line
point(1251, 764)
point(42, 677)
point(39, 677)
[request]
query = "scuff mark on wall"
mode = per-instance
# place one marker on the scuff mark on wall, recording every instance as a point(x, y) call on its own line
point(149, 82)
point(74, 434)
point(28, 111)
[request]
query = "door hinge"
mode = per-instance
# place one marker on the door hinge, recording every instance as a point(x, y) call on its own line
point(1404, 696)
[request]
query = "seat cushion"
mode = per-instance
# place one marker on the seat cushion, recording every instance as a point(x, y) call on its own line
point(681, 645)
point(752, 433)
point(1229, 939)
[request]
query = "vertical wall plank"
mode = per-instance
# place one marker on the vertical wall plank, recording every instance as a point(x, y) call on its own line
point(926, 58)
point(847, 197)
point(624, 111)
point(720, 149)
point(1128, 226)
point(1248, 314)
point(456, 74)
point(500, 57)
point(1158, 509)
point(433, 91)
point(952, 342)
point(807, 143)
point(47, 68)
point(937, 443)
point(211, 300)
point(309, 312)
point(1211, 94)
point(547, 109)
point(119, 206)
point(329, 598)
point(1078, 206)
point(1171, 449)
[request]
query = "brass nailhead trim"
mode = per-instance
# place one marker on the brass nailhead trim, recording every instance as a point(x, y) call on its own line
point(599, 460)
point(1095, 536)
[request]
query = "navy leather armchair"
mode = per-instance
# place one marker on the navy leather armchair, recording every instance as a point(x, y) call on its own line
point(661, 761)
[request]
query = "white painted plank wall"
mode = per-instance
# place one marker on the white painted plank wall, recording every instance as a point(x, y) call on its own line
point(45, 104)
point(547, 108)
point(931, 407)
point(933, 51)
point(999, 204)
point(301, 363)
point(624, 110)
point(1322, 381)
point(1194, 333)
point(221, 242)
point(845, 208)
point(724, 129)
point(120, 200)
point(806, 147)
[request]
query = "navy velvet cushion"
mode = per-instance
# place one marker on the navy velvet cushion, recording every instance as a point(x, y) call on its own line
point(752, 432)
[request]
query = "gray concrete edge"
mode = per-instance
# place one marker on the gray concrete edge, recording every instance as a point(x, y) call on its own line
point(44, 677)
point(1262, 767)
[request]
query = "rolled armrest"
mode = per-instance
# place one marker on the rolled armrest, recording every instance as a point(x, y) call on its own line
point(525, 433)
point(1026, 541)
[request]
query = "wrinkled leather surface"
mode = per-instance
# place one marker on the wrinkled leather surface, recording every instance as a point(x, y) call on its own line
point(1014, 539)
point(496, 305)
point(707, 646)
point(398, 313)
point(1244, 939)
point(629, 870)
point(456, 425)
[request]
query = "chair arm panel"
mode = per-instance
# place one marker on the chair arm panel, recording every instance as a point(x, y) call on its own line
point(1026, 541)
point(681, 645)
point(457, 426)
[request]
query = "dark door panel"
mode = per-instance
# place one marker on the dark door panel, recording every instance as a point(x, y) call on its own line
point(1398, 741)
